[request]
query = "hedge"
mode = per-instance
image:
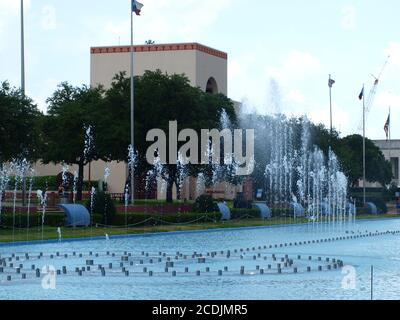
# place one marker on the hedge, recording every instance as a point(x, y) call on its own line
point(104, 206)
point(52, 219)
point(46, 183)
point(245, 213)
point(138, 218)
point(205, 203)
point(282, 212)
point(57, 219)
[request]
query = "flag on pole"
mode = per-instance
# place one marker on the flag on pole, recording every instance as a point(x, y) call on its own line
point(361, 96)
point(137, 7)
point(387, 127)
point(331, 83)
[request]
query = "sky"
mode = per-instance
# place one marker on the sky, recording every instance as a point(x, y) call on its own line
point(280, 52)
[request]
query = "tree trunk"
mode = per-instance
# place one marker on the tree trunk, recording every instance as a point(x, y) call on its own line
point(170, 183)
point(170, 186)
point(80, 180)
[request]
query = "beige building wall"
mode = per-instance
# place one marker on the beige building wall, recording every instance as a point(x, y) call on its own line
point(198, 62)
point(115, 181)
point(391, 151)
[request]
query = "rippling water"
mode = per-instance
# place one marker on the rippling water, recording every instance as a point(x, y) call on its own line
point(358, 255)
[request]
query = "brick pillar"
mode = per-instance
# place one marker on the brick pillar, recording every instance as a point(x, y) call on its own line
point(248, 189)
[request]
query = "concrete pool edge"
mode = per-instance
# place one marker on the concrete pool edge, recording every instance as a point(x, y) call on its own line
point(168, 233)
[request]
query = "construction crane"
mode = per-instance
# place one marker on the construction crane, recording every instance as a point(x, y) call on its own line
point(371, 96)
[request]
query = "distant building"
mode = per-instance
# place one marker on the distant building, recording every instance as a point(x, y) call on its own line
point(205, 67)
point(391, 151)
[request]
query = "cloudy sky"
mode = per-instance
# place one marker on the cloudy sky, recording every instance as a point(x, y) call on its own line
point(280, 51)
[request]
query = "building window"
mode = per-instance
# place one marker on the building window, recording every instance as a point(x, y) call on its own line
point(395, 167)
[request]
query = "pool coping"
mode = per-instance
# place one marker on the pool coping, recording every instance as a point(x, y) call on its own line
point(159, 234)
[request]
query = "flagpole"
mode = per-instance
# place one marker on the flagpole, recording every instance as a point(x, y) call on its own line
point(23, 85)
point(364, 160)
point(330, 101)
point(390, 126)
point(22, 49)
point(390, 135)
point(132, 112)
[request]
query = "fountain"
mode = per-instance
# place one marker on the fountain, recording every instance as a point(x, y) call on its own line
point(132, 163)
point(126, 204)
point(4, 181)
point(59, 234)
point(107, 173)
point(32, 173)
point(92, 195)
point(42, 197)
point(298, 175)
point(74, 188)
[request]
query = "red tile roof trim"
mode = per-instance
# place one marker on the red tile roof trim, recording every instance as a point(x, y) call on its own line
point(161, 47)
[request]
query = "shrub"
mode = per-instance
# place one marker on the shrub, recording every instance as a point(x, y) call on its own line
point(241, 203)
point(38, 183)
point(104, 206)
point(205, 203)
point(86, 186)
point(282, 212)
point(381, 205)
point(245, 213)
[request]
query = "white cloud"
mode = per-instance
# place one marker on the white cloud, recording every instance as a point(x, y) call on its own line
point(295, 96)
point(117, 28)
point(349, 18)
point(297, 65)
point(393, 50)
point(388, 99)
point(9, 9)
point(12, 7)
point(340, 117)
point(49, 20)
point(43, 91)
point(246, 80)
point(160, 27)
point(272, 88)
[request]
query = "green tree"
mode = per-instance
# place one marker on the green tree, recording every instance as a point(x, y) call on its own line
point(19, 125)
point(71, 111)
point(350, 153)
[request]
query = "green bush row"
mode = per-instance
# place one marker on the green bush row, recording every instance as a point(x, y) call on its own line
point(52, 219)
point(245, 213)
point(282, 212)
point(104, 206)
point(46, 182)
point(135, 218)
point(55, 219)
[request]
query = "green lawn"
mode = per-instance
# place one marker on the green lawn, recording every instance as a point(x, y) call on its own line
point(8, 235)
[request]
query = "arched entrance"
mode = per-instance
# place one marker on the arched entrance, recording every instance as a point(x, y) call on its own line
point(212, 86)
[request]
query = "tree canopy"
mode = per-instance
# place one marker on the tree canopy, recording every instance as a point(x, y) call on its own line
point(350, 152)
point(71, 111)
point(19, 125)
